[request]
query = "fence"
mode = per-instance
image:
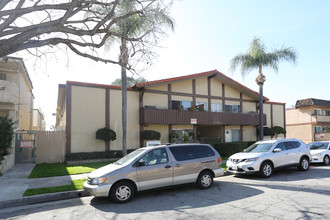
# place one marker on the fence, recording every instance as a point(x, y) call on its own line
point(50, 146)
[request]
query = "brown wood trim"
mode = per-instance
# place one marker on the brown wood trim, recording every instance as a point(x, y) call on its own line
point(99, 86)
point(241, 132)
point(284, 115)
point(194, 92)
point(271, 116)
point(169, 96)
point(141, 140)
point(241, 102)
point(107, 115)
point(223, 97)
point(169, 133)
point(68, 118)
point(141, 94)
point(209, 93)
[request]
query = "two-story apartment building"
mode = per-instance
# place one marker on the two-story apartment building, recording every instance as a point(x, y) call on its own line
point(309, 120)
point(207, 105)
point(16, 97)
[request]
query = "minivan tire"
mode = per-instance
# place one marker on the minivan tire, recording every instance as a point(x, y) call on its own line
point(304, 164)
point(266, 169)
point(205, 180)
point(122, 192)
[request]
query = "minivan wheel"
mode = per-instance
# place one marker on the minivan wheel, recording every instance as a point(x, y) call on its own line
point(304, 164)
point(205, 180)
point(122, 192)
point(266, 169)
point(326, 160)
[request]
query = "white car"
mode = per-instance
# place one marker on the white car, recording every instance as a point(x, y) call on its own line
point(320, 151)
point(264, 156)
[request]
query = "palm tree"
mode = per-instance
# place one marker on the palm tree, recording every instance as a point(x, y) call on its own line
point(142, 26)
point(257, 58)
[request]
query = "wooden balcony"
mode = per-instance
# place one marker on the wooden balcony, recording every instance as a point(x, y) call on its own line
point(165, 116)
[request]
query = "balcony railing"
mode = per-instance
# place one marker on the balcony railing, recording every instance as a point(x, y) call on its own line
point(166, 116)
point(321, 119)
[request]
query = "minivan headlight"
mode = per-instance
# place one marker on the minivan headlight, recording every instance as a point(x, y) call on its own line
point(252, 159)
point(98, 180)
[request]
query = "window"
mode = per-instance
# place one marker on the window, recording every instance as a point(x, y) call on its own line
point(326, 129)
point(291, 145)
point(183, 153)
point(202, 106)
point(317, 111)
point(204, 151)
point(236, 135)
point(181, 105)
point(318, 129)
point(216, 107)
point(2, 76)
point(327, 112)
point(232, 108)
point(157, 156)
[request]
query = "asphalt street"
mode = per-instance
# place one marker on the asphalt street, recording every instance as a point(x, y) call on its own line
point(288, 194)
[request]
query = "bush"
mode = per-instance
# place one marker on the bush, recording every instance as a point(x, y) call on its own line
point(6, 134)
point(106, 134)
point(278, 130)
point(96, 155)
point(228, 149)
point(268, 132)
point(150, 135)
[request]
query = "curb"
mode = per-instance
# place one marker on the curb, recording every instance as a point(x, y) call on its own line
point(28, 200)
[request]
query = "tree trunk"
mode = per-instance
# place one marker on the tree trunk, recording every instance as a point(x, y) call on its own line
point(261, 112)
point(123, 59)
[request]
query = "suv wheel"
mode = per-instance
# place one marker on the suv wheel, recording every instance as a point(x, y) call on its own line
point(205, 180)
point(326, 160)
point(122, 192)
point(266, 169)
point(304, 164)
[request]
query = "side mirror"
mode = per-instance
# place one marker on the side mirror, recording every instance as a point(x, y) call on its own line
point(141, 164)
point(277, 150)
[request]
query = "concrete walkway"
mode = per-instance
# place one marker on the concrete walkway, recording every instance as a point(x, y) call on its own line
point(15, 182)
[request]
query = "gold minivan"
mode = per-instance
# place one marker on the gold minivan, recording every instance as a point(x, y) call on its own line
point(154, 167)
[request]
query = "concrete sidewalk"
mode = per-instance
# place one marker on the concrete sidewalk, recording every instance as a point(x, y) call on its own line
point(15, 182)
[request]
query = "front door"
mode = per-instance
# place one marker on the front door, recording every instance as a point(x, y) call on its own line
point(157, 170)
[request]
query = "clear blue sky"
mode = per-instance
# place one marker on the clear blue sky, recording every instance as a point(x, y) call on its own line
point(207, 36)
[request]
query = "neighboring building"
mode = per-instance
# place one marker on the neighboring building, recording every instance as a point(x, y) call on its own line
point(16, 97)
point(38, 123)
point(205, 106)
point(309, 120)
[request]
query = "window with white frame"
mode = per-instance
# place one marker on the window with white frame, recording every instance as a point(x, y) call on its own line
point(318, 129)
point(317, 111)
point(216, 107)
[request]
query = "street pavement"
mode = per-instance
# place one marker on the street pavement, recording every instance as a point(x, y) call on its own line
point(15, 182)
point(288, 194)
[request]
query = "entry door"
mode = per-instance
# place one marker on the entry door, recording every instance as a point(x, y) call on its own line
point(228, 136)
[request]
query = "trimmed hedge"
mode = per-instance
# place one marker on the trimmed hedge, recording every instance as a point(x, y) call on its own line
point(150, 135)
point(228, 149)
point(96, 155)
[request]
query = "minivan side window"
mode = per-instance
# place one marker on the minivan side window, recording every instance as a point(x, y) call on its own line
point(183, 153)
point(157, 156)
point(204, 151)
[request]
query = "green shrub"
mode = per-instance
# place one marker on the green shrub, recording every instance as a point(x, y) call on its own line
point(278, 130)
point(228, 149)
point(6, 134)
point(106, 134)
point(268, 132)
point(150, 135)
point(96, 155)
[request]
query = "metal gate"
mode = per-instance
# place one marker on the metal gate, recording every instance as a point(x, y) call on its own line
point(25, 147)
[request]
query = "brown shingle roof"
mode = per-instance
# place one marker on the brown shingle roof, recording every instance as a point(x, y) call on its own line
point(312, 102)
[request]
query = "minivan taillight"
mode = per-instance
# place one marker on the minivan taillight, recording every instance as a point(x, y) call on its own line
point(219, 159)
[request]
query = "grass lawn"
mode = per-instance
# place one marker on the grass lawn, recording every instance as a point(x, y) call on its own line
point(75, 185)
point(49, 170)
point(223, 166)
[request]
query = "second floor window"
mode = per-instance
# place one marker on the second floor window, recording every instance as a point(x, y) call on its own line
point(202, 106)
point(216, 107)
point(181, 105)
point(327, 112)
point(317, 111)
point(232, 108)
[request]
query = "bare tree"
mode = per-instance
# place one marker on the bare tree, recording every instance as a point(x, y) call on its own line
point(82, 25)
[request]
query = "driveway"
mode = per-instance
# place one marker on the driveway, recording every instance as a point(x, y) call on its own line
point(288, 194)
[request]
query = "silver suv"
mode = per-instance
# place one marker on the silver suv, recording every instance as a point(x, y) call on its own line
point(154, 167)
point(265, 156)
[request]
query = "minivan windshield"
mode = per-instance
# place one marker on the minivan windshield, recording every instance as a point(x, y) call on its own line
point(130, 157)
point(318, 145)
point(259, 148)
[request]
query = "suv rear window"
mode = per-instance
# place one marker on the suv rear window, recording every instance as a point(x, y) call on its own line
point(190, 152)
